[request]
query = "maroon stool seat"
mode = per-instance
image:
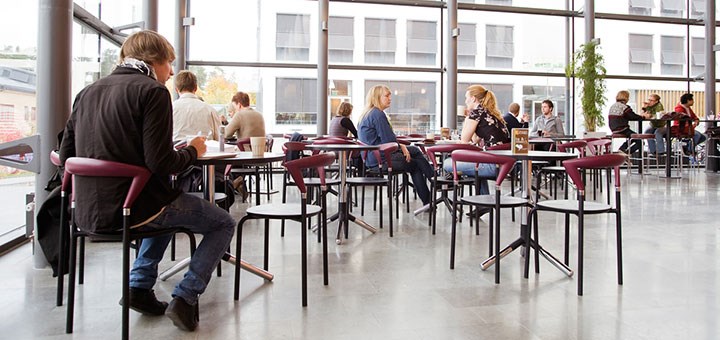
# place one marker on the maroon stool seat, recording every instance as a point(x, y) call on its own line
point(495, 202)
point(580, 207)
point(301, 212)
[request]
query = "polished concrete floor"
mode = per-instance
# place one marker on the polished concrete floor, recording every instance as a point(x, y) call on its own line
point(402, 287)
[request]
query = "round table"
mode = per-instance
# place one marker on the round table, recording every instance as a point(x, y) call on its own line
point(344, 215)
point(526, 178)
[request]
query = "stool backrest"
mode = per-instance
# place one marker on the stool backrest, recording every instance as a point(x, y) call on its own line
point(386, 150)
point(242, 143)
point(447, 148)
point(55, 157)
point(573, 167)
point(599, 146)
point(579, 145)
point(319, 162)
point(506, 163)
point(90, 167)
point(293, 150)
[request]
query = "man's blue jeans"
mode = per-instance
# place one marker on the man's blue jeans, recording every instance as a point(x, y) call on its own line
point(697, 138)
point(485, 171)
point(200, 217)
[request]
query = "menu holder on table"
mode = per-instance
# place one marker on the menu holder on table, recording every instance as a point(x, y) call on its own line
point(218, 155)
point(520, 141)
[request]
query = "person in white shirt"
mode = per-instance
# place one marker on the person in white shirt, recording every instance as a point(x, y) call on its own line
point(190, 114)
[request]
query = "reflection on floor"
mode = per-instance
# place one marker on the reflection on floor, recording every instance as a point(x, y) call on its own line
point(402, 288)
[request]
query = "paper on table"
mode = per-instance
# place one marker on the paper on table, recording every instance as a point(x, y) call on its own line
point(217, 154)
point(214, 146)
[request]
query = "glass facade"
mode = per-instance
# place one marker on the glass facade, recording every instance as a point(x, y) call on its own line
point(516, 48)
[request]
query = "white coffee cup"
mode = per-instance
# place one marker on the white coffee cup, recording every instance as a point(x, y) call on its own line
point(430, 136)
point(257, 145)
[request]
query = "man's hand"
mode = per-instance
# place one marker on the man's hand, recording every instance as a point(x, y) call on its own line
point(525, 118)
point(405, 152)
point(199, 144)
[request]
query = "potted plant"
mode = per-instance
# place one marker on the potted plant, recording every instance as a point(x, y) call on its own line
point(588, 65)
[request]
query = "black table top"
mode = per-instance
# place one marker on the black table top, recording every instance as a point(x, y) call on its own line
point(341, 147)
point(535, 155)
point(243, 158)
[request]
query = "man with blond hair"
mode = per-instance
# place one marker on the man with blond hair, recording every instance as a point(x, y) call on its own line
point(126, 117)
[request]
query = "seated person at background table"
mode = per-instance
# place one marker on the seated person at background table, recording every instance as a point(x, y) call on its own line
point(190, 114)
point(374, 129)
point(513, 119)
point(246, 122)
point(341, 124)
point(654, 107)
point(485, 122)
point(684, 108)
point(127, 117)
point(619, 117)
point(546, 125)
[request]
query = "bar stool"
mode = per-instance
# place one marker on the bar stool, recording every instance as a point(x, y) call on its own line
point(95, 168)
point(296, 212)
point(641, 138)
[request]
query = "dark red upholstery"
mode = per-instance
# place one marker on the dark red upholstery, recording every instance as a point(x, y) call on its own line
point(448, 148)
point(579, 145)
point(599, 146)
point(242, 143)
point(319, 162)
point(99, 168)
point(573, 166)
point(55, 158)
point(506, 163)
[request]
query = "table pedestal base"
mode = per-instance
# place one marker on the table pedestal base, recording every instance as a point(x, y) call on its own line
point(521, 242)
point(345, 218)
point(227, 257)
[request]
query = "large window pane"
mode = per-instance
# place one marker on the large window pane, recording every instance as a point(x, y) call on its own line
point(413, 107)
point(341, 39)
point(641, 48)
point(18, 107)
point(254, 31)
point(519, 46)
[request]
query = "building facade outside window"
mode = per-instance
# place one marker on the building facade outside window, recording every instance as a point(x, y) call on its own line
point(380, 41)
point(641, 53)
point(292, 37)
point(697, 9)
point(499, 46)
point(296, 101)
point(421, 42)
point(341, 40)
point(413, 107)
point(697, 56)
point(467, 45)
point(672, 55)
point(641, 7)
point(672, 8)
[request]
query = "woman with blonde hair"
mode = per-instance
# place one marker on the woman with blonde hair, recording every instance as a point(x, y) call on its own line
point(375, 129)
point(484, 122)
point(341, 124)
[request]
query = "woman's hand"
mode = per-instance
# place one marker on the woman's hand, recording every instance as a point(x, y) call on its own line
point(405, 152)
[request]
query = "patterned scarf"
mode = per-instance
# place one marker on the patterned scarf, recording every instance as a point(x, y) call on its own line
point(139, 65)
